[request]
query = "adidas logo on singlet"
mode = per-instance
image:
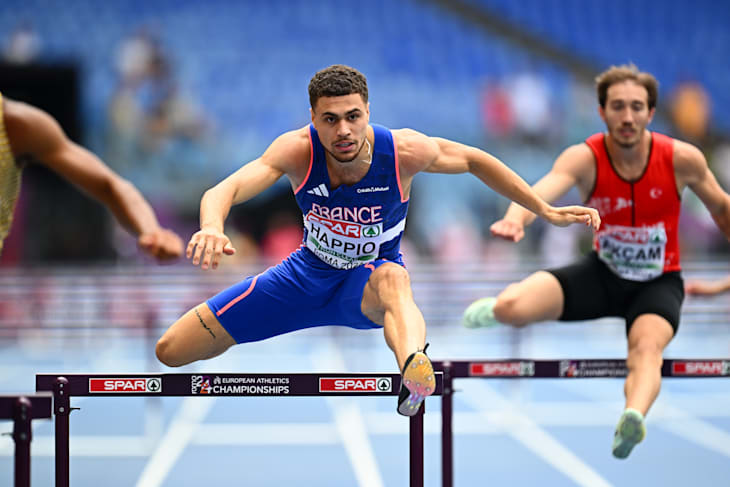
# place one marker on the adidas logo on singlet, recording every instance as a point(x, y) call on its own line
point(320, 190)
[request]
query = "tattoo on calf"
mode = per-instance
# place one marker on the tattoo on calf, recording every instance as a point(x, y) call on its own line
point(203, 323)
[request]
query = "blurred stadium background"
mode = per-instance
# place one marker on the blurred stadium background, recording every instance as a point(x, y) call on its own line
point(176, 95)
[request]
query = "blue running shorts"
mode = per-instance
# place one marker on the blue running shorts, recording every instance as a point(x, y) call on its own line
point(301, 292)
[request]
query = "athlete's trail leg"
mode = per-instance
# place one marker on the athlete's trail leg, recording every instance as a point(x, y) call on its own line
point(197, 335)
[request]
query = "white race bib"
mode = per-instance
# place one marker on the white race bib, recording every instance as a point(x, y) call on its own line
point(346, 245)
point(636, 254)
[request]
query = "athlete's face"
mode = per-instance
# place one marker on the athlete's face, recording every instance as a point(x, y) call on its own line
point(626, 113)
point(342, 122)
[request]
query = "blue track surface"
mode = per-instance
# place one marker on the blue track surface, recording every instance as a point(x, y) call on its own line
point(528, 432)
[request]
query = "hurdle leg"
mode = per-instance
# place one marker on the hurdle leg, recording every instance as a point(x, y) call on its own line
point(447, 436)
point(22, 435)
point(62, 410)
point(416, 447)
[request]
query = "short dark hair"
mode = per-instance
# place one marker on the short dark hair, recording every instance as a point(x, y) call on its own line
point(337, 80)
point(626, 72)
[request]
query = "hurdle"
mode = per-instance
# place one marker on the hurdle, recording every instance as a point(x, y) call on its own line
point(65, 386)
point(23, 409)
point(547, 369)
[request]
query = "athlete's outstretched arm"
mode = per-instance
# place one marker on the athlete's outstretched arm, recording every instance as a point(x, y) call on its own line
point(431, 154)
point(692, 170)
point(207, 246)
point(574, 167)
point(707, 288)
point(34, 132)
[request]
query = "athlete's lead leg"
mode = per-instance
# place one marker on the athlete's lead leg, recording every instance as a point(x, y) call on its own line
point(388, 301)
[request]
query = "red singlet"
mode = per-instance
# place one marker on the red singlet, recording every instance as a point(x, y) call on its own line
point(638, 237)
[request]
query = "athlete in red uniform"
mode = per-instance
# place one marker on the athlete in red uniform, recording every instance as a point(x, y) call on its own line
point(634, 178)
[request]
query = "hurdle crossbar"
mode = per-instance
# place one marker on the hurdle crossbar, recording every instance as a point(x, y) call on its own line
point(547, 369)
point(23, 409)
point(64, 386)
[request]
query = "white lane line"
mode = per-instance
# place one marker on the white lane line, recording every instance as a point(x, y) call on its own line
point(349, 421)
point(519, 426)
point(688, 426)
point(351, 428)
point(177, 437)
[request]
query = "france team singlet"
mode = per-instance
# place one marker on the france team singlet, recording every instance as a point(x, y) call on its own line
point(638, 237)
point(353, 225)
point(348, 233)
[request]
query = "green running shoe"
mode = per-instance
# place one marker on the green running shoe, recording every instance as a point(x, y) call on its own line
point(480, 314)
point(629, 432)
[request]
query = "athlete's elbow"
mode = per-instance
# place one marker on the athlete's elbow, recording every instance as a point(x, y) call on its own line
point(221, 193)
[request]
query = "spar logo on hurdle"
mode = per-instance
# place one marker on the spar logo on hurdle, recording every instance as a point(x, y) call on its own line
point(701, 367)
point(125, 385)
point(356, 384)
point(511, 368)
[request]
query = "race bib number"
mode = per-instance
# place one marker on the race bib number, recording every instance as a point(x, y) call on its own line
point(636, 254)
point(344, 244)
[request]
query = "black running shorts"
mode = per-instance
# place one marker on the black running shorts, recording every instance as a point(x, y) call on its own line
point(593, 291)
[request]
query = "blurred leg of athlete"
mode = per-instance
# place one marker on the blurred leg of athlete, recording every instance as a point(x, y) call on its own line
point(539, 297)
point(648, 337)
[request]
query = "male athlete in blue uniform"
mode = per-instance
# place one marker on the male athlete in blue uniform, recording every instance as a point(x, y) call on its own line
point(352, 181)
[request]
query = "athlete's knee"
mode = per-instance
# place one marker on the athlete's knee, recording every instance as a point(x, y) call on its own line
point(168, 353)
point(392, 276)
point(648, 336)
point(644, 352)
point(508, 307)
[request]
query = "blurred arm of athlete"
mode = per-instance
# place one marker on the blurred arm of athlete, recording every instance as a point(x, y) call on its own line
point(34, 132)
point(288, 154)
point(691, 170)
point(574, 167)
point(707, 288)
point(418, 152)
